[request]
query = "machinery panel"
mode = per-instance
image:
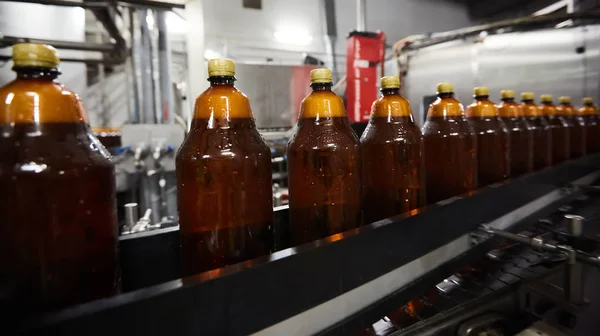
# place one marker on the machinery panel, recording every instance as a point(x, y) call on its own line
point(544, 61)
point(275, 92)
point(555, 61)
point(448, 62)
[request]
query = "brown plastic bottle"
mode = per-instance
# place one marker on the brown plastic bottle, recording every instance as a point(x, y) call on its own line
point(576, 127)
point(493, 146)
point(450, 148)
point(58, 222)
point(224, 176)
point(542, 134)
point(324, 166)
point(392, 156)
point(560, 128)
point(589, 114)
point(520, 135)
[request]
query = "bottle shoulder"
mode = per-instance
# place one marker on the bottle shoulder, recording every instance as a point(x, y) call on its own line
point(322, 104)
point(222, 102)
point(445, 107)
point(39, 101)
point(391, 106)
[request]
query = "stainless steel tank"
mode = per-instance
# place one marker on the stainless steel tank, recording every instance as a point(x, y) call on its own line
point(561, 62)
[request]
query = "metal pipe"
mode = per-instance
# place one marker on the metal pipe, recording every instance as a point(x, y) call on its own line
point(156, 95)
point(361, 15)
point(134, 59)
point(144, 66)
point(574, 279)
point(541, 244)
point(523, 23)
point(575, 225)
point(131, 215)
point(331, 27)
point(151, 4)
point(164, 69)
point(66, 3)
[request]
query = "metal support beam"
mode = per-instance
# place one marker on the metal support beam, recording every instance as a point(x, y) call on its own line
point(7, 41)
point(65, 3)
point(361, 15)
point(555, 7)
point(92, 5)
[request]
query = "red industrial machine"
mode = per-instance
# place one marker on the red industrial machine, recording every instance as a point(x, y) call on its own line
point(364, 52)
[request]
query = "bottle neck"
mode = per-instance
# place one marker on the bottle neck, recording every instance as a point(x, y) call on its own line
point(445, 94)
point(508, 100)
point(48, 74)
point(589, 104)
point(390, 91)
point(546, 103)
point(527, 101)
point(321, 86)
point(482, 97)
point(221, 80)
point(565, 104)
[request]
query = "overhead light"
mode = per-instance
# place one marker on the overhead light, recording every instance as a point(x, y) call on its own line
point(293, 36)
point(210, 54)
point(175, 23)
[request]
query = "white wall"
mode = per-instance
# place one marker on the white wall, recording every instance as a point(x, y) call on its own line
point(249, 34)
point(242, 33)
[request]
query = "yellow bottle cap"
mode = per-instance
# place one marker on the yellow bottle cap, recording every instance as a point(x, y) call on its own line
point(507, 94)
point(445, 88)
point(221, 67)
point(35, 55)
point(588, 100)
point(527, 96)
point(564, 99)
point(481, 91)
point(322, 75)
point(546, 98)
point(390, 82)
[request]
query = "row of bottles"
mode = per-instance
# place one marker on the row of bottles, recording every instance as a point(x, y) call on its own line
point(59, 227)
point(488, 143)
point(338, 182)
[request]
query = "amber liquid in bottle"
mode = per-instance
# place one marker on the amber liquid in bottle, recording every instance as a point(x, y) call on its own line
point(589, 114)
point(392, 159)
point(576, 129)
point(542, 135)
point(324, 169)
point(520, 137)
point(493, 160)
point(58, 225)
point(561, 147)
point(223, 183)
point(450, 150)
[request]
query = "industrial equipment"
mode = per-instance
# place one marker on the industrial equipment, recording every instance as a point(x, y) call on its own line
point(347, 282)
point(525, 54)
